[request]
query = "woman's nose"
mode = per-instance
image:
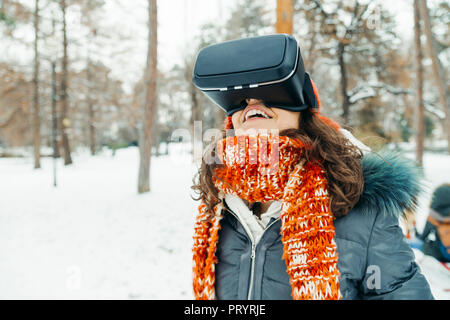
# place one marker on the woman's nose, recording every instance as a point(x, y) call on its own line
point(251, 101)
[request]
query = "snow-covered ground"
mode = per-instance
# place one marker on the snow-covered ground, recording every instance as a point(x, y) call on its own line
point(94, 237)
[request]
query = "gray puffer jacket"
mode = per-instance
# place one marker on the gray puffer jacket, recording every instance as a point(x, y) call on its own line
point(375, 262)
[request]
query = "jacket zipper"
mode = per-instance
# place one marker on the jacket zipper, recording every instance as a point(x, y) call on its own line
point(252, 271)
point(253, 254)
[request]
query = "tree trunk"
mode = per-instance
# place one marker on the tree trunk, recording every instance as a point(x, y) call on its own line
point(91, 111)
point(92, 142)
point(64, 96)
point(311, 55)
point(420, 123)
point(54, 122)
point(438, 71)
point(195, 105)
point(285, 12)
point(344, 84)
point(197, 113)
point(149, 106)
point(36, 106)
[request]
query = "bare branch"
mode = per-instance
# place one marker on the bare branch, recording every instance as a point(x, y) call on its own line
point(369, 90)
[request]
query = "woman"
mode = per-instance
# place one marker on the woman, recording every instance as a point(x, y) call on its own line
point(303, 214)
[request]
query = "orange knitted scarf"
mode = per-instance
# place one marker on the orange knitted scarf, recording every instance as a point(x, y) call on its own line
point(263, 168)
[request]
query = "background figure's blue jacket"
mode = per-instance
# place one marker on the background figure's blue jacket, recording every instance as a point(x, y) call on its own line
point(375, 262)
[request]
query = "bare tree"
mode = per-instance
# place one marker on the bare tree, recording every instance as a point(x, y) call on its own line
point(149, 106)
point(196, 107)
point(344, 40)
point(64, 121)
point(349, 39)
point(35, 103)
point(89, 100)
point(438, 71)
point(90, 105)
point(91, 13)
point(420, 123)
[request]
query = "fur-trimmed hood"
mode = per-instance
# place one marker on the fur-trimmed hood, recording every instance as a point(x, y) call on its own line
point(392, 183)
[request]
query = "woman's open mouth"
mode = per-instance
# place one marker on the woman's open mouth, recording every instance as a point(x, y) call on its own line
point(255, 113)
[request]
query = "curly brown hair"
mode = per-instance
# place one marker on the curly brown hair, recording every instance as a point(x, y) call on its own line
point(340, 159)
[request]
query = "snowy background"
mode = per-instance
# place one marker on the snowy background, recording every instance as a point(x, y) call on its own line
point(94, 237)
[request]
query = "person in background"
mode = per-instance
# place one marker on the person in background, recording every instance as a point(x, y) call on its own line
point(436, 233)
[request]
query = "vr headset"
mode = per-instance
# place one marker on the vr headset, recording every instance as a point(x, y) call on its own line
point(269, 68)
